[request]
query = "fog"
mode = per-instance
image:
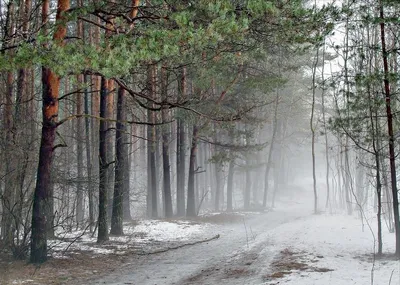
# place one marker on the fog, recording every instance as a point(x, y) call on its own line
point(199, 142)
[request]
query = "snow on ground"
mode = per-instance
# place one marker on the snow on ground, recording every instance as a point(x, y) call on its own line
point(288, 245)
point(334, 249)
point(143, 236)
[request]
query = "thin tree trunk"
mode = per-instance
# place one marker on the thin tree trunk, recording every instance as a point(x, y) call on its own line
point(229, 190)
point(9, 197)
point(95, 109)
point(79, 138)
point(102, 231)
point(165, 148)
point(127, 193)
point(247, 186)
point(327, 203)
point(277, 157)
point(217, 175)
point(88, 157)
point(79, 142)
point(389, 116)
point(180, 152)
point(121, 164)
point(110, 145)
point(376, 148)
point(271, 149)
point(22, 137)
point(151, 149)
point(312, 128)
point(191, 207)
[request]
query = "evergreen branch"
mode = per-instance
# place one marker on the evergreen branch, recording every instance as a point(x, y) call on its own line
point(234, 146)
point(77, 116)
point(233, 82)
point(95, 24)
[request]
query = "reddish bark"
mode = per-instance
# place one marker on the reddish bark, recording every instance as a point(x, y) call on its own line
point(50, 93)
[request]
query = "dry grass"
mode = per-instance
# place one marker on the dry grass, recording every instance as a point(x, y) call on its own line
point(72, 270)
point(289, 261)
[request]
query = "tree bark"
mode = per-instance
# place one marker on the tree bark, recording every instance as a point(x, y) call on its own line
point(8, 199)
point(151, 149)
point(312, 129)
point(389, 115)
point(50, 92)
point(79, 139)
point(121, 164)
point(271, 149)
point(191, 207)
point(229, 189)
point(217, 175)
point(127, 194)
point(180, 150)
point(102, 231)
point(89, 166)
point(165, 148)
point(79, 185)
point(110, 144)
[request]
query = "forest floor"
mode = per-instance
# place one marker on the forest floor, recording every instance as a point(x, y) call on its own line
point(288, 245)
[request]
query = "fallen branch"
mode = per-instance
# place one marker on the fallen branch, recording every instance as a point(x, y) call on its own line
point(179, 246)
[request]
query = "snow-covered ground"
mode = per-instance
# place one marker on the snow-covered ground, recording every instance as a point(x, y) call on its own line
point(289, 245)
point(141, 237)
point(337, 243)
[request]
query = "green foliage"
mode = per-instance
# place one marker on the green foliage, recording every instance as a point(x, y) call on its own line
point(212, 26)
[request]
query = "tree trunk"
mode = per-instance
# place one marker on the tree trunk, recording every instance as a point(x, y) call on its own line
point(374, 120)
point(389, 115)
point(95, 109)
point(8, 199)
point(327, 203)
point(110, 145)
point(79, 142)
point(180, 150)
point(229, 187)
point(79, 139)
point(88, 158)
point(121, 164)
point(22, 134)
point(151, 148)
point(191, 207)
point(218, 180)
point(50, 92)
point(102, 231)
point(277, 157)
point(312, 129)
point(247, 186)
point(271, 149)
point(165, 148)
point(127, 193)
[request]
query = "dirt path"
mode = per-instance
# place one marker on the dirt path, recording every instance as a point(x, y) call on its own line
point(231, 259)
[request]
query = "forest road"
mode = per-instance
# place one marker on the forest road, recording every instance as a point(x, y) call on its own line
point(234, 258)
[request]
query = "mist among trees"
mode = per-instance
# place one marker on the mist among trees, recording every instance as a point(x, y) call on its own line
point(113, 111)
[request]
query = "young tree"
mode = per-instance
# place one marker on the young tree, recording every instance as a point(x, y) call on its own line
point(389, 115)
